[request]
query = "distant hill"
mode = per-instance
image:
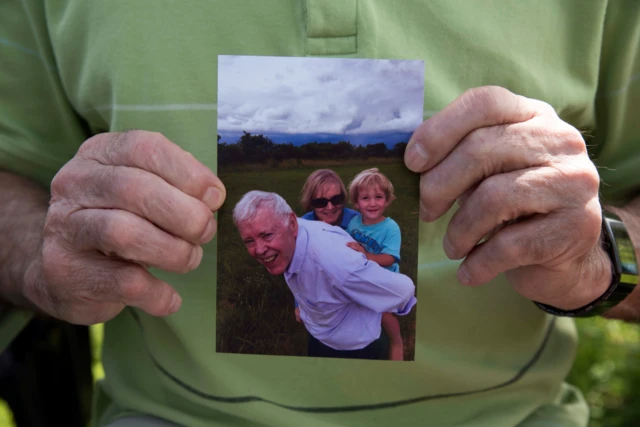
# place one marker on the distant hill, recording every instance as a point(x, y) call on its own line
point(389, 138)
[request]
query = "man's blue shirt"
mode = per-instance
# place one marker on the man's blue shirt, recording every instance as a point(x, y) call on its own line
point(340, 293)
point(347, 216)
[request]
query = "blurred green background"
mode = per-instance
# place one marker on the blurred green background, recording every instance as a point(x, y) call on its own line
point(607, 370)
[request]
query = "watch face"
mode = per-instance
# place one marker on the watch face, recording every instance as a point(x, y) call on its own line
point(625, 251)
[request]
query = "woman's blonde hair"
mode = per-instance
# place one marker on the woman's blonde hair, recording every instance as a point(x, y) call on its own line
point(317, 179)
point(370, 178)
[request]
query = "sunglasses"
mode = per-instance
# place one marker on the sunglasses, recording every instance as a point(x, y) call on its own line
point(322, 202)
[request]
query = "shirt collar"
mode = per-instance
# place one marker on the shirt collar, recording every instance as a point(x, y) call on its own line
point(300, 252)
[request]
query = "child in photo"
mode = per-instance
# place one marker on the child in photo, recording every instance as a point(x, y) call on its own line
point(378, 237)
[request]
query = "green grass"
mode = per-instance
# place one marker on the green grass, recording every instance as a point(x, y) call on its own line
point(96, 333)
point(255, 310)
point(607, 370)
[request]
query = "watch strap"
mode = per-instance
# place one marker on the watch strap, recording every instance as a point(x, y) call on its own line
point(624, 271)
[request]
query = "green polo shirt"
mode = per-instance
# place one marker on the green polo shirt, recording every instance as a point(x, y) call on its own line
point(484, 356)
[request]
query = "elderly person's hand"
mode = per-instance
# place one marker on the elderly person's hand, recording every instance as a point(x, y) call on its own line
point(527, 195)
point(125, 202)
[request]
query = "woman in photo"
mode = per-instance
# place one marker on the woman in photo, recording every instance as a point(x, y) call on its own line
point(323, 197)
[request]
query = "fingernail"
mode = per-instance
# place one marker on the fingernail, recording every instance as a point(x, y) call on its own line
point(416, 157)
point(463, 275)
point(176, 302)
point(213, 198)
point(209, 231)
point(196, 257)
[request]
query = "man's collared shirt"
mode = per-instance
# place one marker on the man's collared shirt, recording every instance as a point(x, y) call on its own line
point(341, 294)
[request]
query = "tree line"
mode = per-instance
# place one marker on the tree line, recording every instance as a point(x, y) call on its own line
point(260, 148)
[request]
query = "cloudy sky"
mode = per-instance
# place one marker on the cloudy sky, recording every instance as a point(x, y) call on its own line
point(318, 95)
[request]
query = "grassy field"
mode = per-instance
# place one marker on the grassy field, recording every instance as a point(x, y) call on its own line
point(256, 310)
point(607, 371)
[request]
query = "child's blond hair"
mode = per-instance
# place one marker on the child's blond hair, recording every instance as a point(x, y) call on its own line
point(367, 179)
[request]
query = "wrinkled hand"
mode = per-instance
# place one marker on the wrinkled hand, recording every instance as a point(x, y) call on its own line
point(125, 202)
point(357, 247)
point(524, 182)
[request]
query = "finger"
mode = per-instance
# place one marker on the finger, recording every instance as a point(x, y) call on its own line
point(154, 153)
point(509, 196)
point(93, 185)
point(125, 235)
point(138, 288)
point(549, 240)
point(96, 288)
point(498, 149)
point(130, 284)
point(476, 108)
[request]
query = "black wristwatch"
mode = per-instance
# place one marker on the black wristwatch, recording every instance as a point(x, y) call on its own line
point(624, 270)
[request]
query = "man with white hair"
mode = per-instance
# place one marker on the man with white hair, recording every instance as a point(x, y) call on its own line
point(341, 294)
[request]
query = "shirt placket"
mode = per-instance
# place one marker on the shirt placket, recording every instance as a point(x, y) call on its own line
point(331, 27)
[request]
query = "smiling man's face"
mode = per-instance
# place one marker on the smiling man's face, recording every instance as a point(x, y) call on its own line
point(270, 240)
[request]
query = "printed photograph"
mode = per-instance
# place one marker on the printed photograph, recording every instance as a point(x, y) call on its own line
point(318, 237)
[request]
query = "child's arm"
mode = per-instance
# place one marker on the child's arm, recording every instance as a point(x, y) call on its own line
point(383, 260)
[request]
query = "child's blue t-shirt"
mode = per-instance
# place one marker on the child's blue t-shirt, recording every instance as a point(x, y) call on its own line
point(381, 238)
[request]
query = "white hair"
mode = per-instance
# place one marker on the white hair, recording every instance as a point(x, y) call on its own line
point(255, 200)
